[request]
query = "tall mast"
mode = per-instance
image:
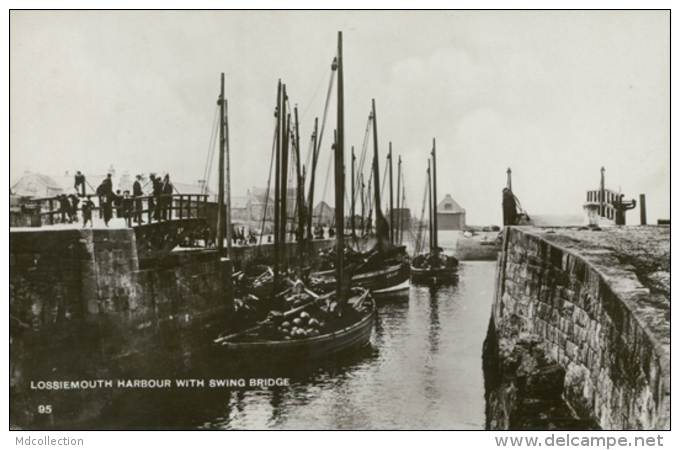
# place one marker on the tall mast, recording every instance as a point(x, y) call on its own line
point(315, 155)
point(429, 204)
point(220, 192)
point(389, 156)
point(376, 162)
point(277, 186)
point(396, 237)
point(300, 195)
point(434, 194)
point(227, 192)
point(339, 178)
point(363, 207)
point(354, 233)
point(284, 181)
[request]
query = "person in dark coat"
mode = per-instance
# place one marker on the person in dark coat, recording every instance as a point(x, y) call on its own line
point(64, 208)
point(104, 190)
point(157, 192)
point(107, 207)
point(167, 197)
point(127, 205)
point(118, 204)
point(137, 192)
point(88, 206)
point(79, 183)
point(509, 208)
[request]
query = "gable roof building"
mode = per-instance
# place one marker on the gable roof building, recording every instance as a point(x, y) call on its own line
point(450, 215)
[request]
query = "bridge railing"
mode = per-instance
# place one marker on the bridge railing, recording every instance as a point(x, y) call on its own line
point(606, 198)
point(151, 208)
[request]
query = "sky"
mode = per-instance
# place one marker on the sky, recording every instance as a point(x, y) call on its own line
point(555, 96)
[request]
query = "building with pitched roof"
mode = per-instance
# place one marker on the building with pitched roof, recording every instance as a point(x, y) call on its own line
point(450, 215)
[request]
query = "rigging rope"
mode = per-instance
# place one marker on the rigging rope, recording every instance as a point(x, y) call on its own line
point(421, 235)
point(269, 180)
point(211, 152)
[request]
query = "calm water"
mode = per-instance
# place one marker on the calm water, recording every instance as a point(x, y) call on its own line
point(423, 370)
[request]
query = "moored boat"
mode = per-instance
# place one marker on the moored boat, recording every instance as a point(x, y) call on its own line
point(376, 281)
point(434, 266)
point(270, 342)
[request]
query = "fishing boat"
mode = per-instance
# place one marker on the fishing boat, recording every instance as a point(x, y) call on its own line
point(435, 266)
point(377, 281)
point(278, 338)
point(385, 267)
point(310, 326)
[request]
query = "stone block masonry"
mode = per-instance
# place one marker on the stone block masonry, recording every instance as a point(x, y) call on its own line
point(590, 314)
point(82, 309)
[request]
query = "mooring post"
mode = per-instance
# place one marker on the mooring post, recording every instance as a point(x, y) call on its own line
point(643, 210)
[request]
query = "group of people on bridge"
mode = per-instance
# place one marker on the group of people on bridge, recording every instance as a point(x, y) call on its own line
point(126, 206)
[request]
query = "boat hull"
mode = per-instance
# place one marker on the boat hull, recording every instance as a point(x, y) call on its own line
point(373, 281)
point(351, 337)
point(433, 275)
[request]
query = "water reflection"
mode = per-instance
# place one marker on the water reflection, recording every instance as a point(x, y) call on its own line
point(422, 370)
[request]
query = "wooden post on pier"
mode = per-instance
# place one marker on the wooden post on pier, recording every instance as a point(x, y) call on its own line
point(643, 210)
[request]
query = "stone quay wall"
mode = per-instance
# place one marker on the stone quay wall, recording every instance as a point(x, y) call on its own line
point(81, 309)
point(61, 275)
point(594, 319)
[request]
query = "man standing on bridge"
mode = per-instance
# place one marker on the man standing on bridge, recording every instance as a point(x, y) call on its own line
point(137, 192)
point(157, 192)
point(80, 182)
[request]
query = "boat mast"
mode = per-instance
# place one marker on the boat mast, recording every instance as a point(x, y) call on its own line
point(300, 195)
point(389, 156)
point(396, 237)
point(435, 230)
point(277, 186)
point(284, 176)
point(220, 193)
point(429, 204)
point(354, 233)
point(376, 179)
point(339, 178)
point(363, 206)
point(401, 218)
point(315, 155)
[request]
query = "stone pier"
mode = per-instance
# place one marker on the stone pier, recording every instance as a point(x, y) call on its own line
point(581, 318)
point(82, 309)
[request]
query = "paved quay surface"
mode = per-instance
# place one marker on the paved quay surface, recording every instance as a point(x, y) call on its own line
point(646, 248)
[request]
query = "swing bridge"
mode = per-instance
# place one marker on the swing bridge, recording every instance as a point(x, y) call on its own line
point(160, 223)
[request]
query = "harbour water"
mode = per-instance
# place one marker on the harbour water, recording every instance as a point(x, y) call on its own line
point(423, 370)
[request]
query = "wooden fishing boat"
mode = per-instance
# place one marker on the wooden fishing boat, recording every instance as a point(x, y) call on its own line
point(323, 326)
point(433, 274)
point(269, 344)
point(376, 281)
point(434, 266)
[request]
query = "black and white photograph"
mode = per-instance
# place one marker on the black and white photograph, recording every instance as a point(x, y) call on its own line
point(341, 220)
